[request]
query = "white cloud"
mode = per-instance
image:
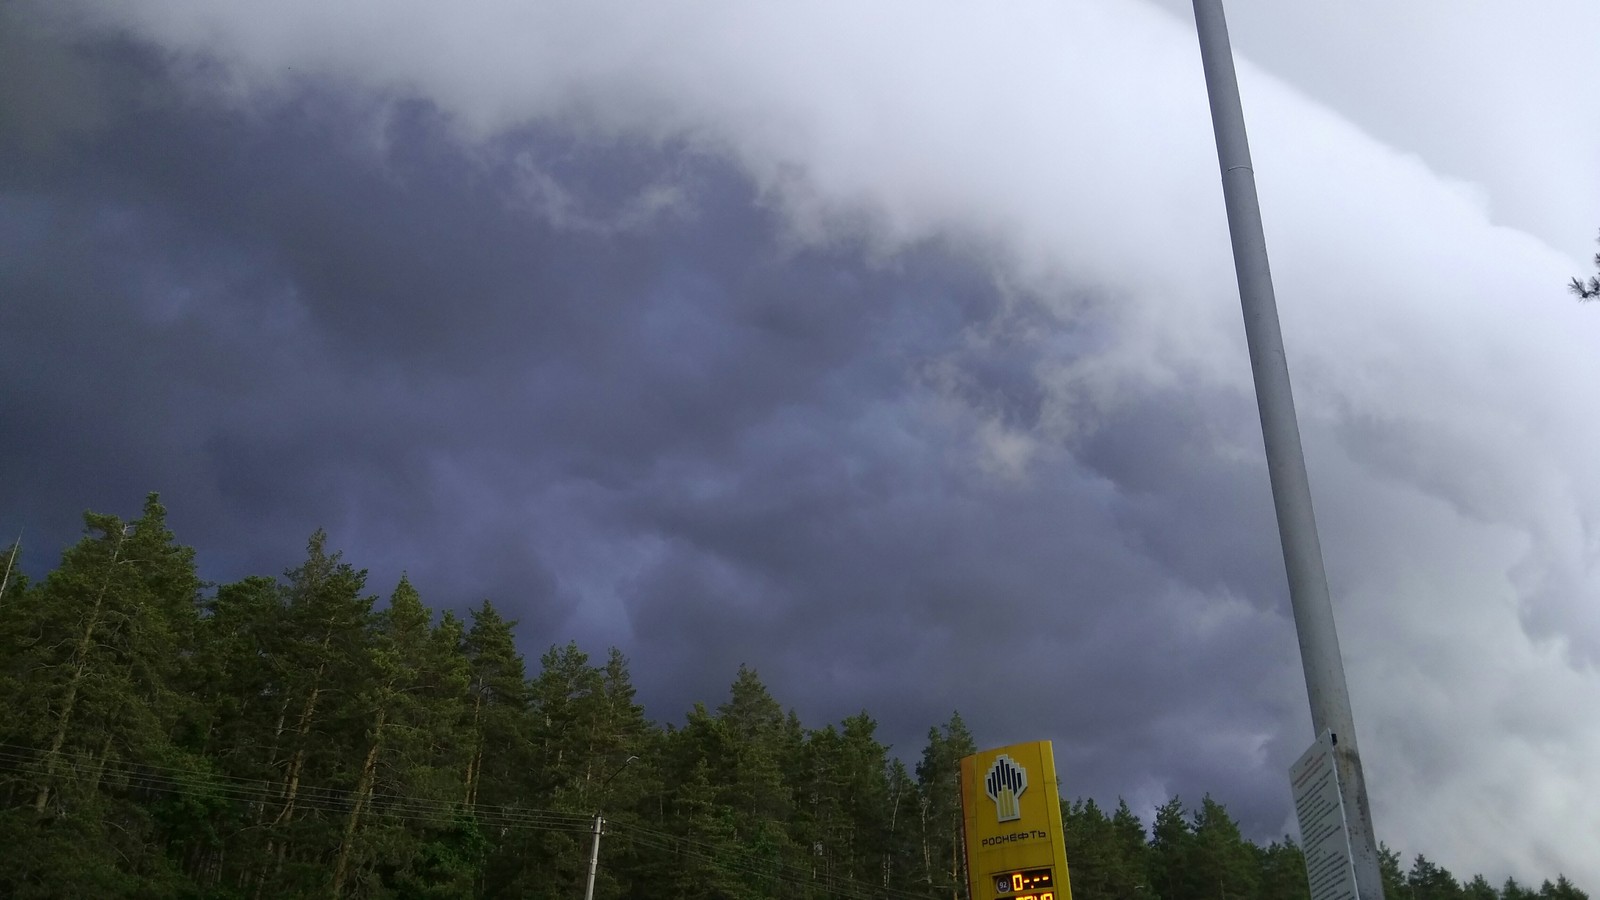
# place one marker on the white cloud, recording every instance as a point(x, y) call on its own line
point(1492, 93)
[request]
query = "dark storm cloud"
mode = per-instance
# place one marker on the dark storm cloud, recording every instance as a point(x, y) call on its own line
point(898, 582)
point(243, 312)
point(766, 334)
point(329, 312)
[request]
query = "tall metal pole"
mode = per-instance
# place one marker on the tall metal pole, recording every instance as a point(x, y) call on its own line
point(1286, 466)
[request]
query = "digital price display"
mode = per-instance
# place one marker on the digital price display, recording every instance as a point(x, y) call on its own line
point(1013, 884)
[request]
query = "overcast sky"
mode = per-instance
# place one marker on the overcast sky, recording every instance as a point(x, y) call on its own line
point(893, 349)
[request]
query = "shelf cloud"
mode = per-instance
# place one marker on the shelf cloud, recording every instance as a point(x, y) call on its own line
point(893, 350)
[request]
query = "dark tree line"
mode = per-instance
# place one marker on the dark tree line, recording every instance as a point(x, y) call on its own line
point(288, 737)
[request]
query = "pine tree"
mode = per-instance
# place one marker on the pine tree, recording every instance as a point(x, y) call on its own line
point(621, 735)
point(863, 775)
point(324, 672)
point(1428, 881)
point(1221, 858)
point(1394, 880)
point(1171, 847)
point(1091, 849)
point(1133, 878)
point(279, 738)
point(703, 860)
point(1561, 890)
point(585, 730)
point(403, 810)
point(821, 821)
point(692, 837)
point(502, 768)
point(91, 691)
point(841, 803)
point(943, 855)
point(499, 699)
point(233, 678)
point(1479, 889)
point(1283, 872)
point(1511, 890)
point(758, 745)
point(448, 858)
point(901, 859)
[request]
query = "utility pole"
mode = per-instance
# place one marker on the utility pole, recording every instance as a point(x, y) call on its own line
point(599, 828)
point(1286, 465)
point(594, 856)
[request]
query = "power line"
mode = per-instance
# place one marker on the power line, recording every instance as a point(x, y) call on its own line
point(172, 779)
point(168, 779)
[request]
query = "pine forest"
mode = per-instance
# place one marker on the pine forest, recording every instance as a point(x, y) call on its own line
point(294, 736)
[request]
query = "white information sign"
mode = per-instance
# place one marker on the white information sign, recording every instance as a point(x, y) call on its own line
point(1323, 836)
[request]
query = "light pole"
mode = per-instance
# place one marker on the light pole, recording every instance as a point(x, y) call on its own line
point(1286, 465)
point(599, 826)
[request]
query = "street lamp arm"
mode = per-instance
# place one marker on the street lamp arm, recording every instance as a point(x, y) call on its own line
point(599, 827)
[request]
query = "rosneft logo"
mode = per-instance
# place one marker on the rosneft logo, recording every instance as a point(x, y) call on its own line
point(1004, 784)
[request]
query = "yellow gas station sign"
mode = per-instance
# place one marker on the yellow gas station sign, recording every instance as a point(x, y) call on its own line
point(1012, 815)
